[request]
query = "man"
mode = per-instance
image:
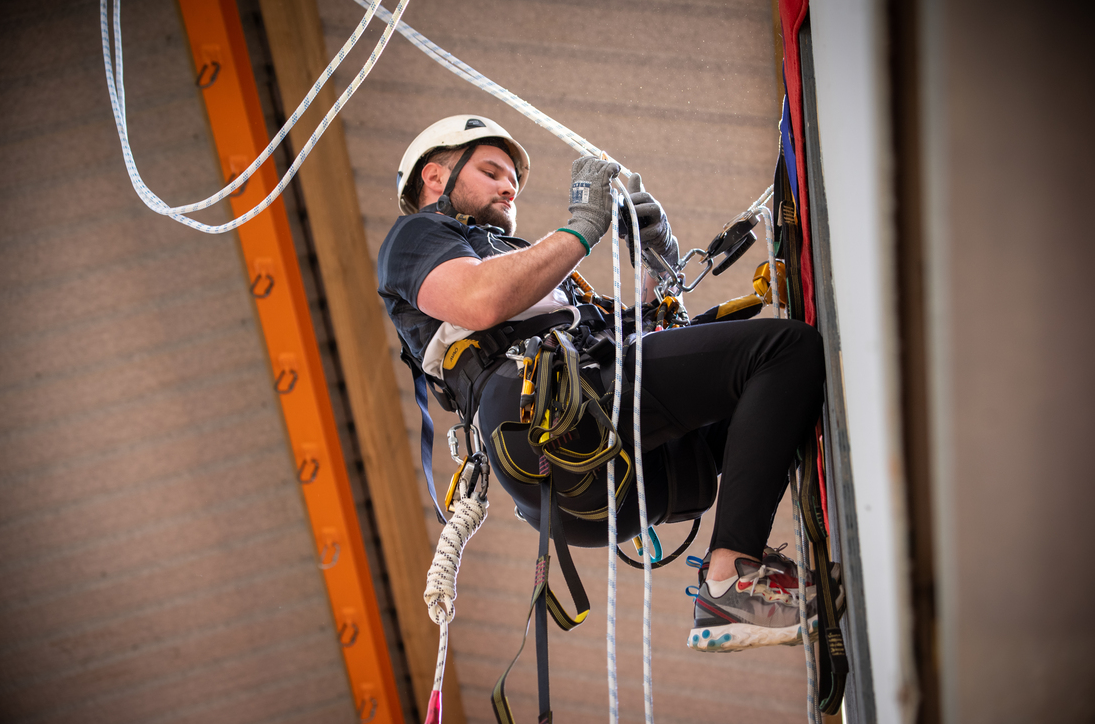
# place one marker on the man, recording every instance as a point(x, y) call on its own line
point(737, 397)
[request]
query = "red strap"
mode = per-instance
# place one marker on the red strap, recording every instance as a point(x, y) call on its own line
point(791, 15)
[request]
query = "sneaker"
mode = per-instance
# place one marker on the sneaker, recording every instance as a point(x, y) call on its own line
point(773, 558)
point(759, 609)
point(784, 571)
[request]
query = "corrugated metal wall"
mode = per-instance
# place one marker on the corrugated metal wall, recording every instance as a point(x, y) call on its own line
point(156, 564)
point(685, 93)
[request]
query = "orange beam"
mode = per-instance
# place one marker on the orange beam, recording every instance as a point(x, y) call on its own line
point(239, 133)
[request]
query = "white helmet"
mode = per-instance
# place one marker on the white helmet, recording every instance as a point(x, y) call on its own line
point(448, 133)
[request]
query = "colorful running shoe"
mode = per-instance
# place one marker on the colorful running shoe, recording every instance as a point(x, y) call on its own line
point(759, 609)
point(773, 559)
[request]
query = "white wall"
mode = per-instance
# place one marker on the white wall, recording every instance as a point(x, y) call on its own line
point(854, 122)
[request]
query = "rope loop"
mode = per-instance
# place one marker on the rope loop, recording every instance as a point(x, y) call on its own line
point(440, 595)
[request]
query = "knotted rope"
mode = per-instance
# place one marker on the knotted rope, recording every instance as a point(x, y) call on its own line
point(440, 595)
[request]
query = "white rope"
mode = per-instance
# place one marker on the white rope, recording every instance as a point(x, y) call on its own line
point(440, 594)
point(813, 713)
point(640, 486)
point(618, 325)
point(764, 198)
point(116, 89)
point(466, 72)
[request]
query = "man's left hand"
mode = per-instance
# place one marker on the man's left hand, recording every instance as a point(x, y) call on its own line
point(654, 230)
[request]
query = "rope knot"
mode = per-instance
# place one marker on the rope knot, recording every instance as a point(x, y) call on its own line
point(440, 593)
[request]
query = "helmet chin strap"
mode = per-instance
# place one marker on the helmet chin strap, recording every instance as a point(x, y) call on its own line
point(444, 202)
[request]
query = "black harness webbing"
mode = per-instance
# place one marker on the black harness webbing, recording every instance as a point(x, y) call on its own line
point(833, 668)
point(444, 202)
point(562, 399)
point(833, 662)
point(545, 602)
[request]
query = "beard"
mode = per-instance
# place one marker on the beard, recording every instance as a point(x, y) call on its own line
point(488, 213)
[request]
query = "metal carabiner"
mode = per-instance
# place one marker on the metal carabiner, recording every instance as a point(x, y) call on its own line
point(454, 445)
point(454, 441)
point(514, 352)
point(482, 471)
point(704, 259)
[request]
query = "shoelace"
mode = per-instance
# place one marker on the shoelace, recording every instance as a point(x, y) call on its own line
point(762, 573)
point(779, 552)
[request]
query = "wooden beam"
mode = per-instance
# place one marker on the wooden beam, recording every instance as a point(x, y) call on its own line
point(295, 35)
point(239, 134)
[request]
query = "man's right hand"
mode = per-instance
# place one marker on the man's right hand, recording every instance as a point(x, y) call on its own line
point(591, 197)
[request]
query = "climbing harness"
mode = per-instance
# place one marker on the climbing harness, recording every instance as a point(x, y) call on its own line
point(553, 418)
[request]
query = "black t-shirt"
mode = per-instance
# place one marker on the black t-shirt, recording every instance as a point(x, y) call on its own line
point(415, 246)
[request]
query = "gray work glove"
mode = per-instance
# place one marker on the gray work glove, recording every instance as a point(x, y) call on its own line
point(590, 197)
point(654, 230)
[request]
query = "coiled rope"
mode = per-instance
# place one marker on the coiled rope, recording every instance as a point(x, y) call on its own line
point(440, 595)
point(116, 89)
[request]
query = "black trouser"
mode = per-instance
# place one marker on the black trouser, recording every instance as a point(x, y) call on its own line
point(751, 389)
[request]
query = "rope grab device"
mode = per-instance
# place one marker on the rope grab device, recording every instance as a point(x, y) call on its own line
point(466, 498)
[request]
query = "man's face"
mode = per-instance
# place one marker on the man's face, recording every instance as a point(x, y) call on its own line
point(486, 189)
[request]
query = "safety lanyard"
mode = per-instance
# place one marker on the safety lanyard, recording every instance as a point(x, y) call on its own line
point(834, 660)
point(545, 602)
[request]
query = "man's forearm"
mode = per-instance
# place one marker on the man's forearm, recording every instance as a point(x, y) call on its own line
point(478, 294)
point(519, 279)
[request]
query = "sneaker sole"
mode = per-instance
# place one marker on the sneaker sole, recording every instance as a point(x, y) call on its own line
point(740, 636)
